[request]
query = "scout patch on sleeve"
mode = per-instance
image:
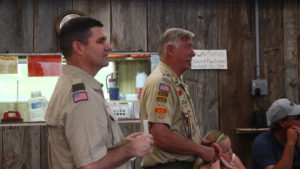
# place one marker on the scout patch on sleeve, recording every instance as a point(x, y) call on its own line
point(77, 87)
point(164, 87)
point(160, 110)
point(161, 99)
point(162, 93)
point(80, 96)
point(166, 77)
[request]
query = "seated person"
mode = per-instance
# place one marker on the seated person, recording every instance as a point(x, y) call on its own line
point(227, 158)
point(279, 147)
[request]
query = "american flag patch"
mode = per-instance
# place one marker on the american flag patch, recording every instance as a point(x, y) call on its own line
point(80, 96)
point(164, 87)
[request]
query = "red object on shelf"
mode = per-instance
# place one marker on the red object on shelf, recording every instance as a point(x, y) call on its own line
point(147, 55)
point(11, 116)
point(140, 55)
point(139, 92)
point(118, 56)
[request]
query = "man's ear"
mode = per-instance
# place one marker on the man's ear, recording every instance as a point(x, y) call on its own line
point(77, 47)
point(283, 123)
point(170, 50)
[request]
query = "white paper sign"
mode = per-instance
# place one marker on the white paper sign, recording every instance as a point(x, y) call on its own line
point(210, 59)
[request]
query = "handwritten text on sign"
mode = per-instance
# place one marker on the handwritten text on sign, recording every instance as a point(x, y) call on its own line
point(210, 59)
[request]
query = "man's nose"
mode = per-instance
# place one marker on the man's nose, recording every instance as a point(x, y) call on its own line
point(193, 53)
point(107, 47)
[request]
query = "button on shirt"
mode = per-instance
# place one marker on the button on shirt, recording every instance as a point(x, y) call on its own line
point(81, 125)
point(165, 99)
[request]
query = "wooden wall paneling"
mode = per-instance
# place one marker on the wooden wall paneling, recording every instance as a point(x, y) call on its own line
point(44, 147)
point(128, 25)
point(246, 73)
point(202, 21)
point(97, 9)
point(62, 6)
point(203, 84)
point(271, 49)
point(235, 33)
point(290, 49)
point(298, 42)
point(162, 15)
point(16, 26)
point(21, 147)
point(33, 139)
point(1, 148)
point(81, 5)
point(45, 13)
point(102, 12)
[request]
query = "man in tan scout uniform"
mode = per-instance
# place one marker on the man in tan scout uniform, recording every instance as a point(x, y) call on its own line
point(83, 133)
point(167, 105)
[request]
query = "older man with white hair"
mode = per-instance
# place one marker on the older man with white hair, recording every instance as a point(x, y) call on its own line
point(167, 105)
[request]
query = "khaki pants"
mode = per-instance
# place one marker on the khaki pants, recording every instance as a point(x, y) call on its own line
point(173, 165)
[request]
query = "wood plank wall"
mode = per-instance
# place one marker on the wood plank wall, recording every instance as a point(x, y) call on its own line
point(235, 101)
point(203, 84)
point(24, 147)
point(222, 97)
point(1, 148)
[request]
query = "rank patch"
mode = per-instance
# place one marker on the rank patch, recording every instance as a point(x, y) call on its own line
point(161, 99)
point(162, 93)
point(164, 87)
point(160, 110)
point(80, 96)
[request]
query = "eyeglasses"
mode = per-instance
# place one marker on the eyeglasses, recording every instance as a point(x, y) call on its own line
point(295, 117)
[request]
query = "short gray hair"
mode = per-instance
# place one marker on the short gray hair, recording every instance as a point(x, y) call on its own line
point(173, 36)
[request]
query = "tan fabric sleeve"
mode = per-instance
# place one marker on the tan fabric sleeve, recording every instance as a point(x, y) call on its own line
point(155, 104)
point(86, 130)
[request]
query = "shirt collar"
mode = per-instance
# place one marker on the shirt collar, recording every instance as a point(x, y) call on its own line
point(167, 70)
point(87, 78)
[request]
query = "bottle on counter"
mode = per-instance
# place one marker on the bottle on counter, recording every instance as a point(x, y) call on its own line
point(37, 105)
point(139, 82)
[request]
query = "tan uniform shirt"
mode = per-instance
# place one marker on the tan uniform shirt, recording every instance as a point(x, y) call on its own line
point(165, 99)
point(81, 126)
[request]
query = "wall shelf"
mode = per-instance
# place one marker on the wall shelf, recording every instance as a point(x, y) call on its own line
point(128, 58)
point(250, 130)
